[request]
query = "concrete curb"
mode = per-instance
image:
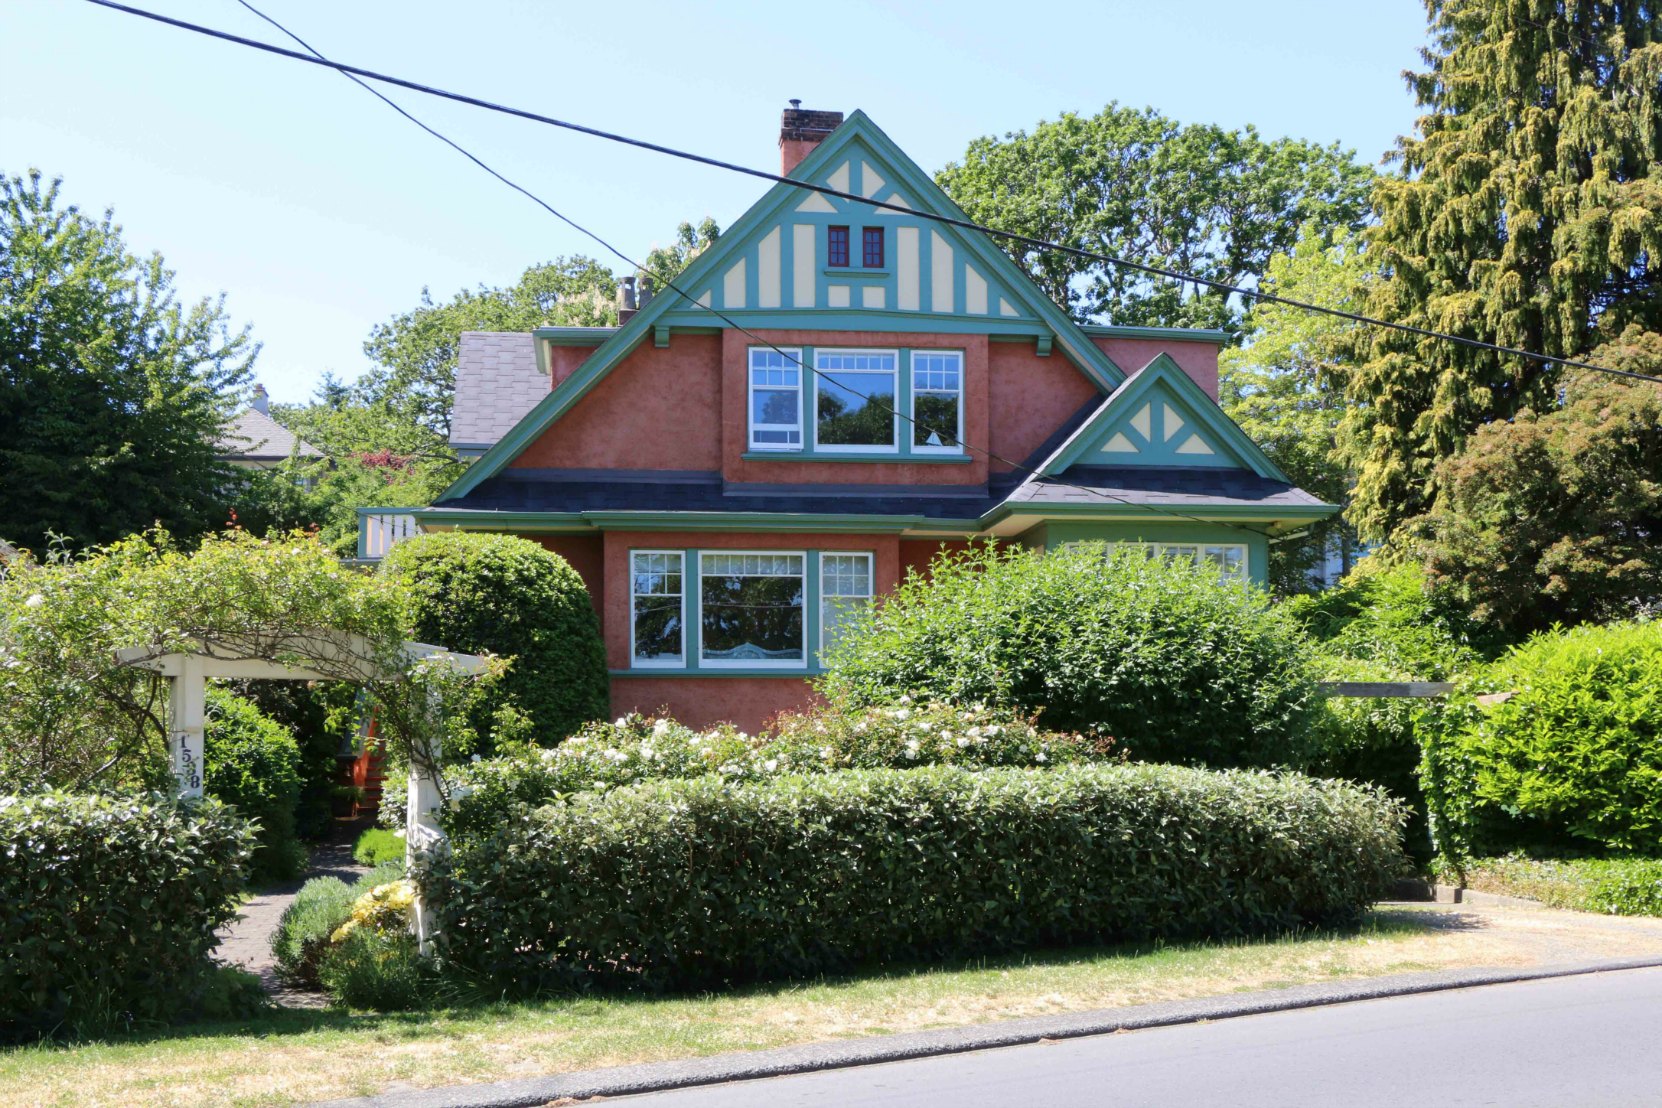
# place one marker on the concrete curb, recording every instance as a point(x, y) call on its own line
point(719, 1069)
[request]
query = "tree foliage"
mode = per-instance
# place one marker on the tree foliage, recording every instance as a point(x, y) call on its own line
point(112, 393)
point(1556, 516)
point(1528, 213)
point(1279, 386)
point(1190, 197)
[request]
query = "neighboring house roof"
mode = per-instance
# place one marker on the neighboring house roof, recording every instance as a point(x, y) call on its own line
point(253, 436)
point(498, 380)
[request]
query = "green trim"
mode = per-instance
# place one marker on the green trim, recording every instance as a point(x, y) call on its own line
point(855, 272)
point(822, 456)
point(1172, 334)
point(1163, 371)
point(761, 522)
point(574, 336)
point(1270, 514)
point(886, 320)
point(1059, 534)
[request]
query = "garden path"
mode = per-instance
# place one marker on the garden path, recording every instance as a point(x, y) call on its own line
point(245, 942)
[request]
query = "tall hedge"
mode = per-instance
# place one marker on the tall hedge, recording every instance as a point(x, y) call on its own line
point(108, 908)
point(1571, 756)
point(253, 763)
point(698, 882)
point(1158, 654)
point(510, 596)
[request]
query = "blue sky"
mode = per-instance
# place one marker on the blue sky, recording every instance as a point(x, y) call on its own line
point(320, 213)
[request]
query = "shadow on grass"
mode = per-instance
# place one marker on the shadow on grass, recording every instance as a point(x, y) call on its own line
point(474, 1006)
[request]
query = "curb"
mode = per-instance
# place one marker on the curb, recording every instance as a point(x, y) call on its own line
point(655, 1077)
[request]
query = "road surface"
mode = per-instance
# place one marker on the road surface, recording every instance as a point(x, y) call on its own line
point(1569, 1041)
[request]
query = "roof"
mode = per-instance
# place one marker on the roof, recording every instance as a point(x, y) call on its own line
point(255, 437)
point(1185, 487)
point(498, 380)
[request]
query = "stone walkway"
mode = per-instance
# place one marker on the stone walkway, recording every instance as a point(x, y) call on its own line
point(246, 941)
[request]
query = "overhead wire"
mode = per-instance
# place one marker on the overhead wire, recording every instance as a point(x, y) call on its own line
point(795, 359)
point(953, 221)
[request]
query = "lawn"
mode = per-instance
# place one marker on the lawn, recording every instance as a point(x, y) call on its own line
point(295, 1056)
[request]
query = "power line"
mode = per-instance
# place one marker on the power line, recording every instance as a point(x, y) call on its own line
point(952, 221)
point(894, 413)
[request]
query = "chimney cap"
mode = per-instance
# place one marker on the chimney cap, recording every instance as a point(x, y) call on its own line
point(796, 103)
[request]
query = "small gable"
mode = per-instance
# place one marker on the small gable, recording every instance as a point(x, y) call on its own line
point(1160, 417)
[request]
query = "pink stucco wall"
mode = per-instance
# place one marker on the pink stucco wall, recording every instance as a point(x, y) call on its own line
point(746, 702)
point(1198, 359)
point(586, 554)
point(660, 408)
point(1030, 397)
point(564, 360)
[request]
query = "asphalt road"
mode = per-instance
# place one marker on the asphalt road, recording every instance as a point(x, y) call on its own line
point(1572, 1041)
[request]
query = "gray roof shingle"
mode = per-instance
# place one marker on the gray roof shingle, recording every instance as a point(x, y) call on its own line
point(255, 437)
point(1176, 486)
point(498, 380)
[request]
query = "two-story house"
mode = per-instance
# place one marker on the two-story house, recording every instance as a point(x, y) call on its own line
point(842, 391)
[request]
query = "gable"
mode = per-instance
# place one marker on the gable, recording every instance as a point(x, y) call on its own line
point(1160, 417)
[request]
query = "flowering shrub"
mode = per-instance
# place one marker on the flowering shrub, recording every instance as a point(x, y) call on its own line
point(637, 748)
point(383, 908)
point(701, 883)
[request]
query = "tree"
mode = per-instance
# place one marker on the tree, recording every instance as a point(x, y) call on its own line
point(1528, 213)
point(1556, 517)
point(112, 394)
point(665, 263)
point(1280, 385)
point(1189, 197)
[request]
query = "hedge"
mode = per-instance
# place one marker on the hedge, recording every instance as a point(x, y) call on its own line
point(253, 763)
point(1615, 886)
point(1158, 654)
point(638, 748)
point(1571, 758)
point(692, 883)
point(512, 597)
point(108, 908)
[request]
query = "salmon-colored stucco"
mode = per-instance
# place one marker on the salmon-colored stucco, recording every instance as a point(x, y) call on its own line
point(1198, 359)
point(563, 360)
point(919, 554)
point(1030, 398)
point(585, 553)
point(659, 408)
point(746, 702)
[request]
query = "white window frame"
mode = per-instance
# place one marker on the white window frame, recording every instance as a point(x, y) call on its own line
point(750, 663)
point(636, 662)
point(1198, 553)
point(820, 374)
point(871, 584)
point(751, 426)
point(911, 370)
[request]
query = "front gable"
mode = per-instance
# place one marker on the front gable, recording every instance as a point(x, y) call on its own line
point(1160, 417)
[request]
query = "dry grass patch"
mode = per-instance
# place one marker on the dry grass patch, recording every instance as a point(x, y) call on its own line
point(298, 1056)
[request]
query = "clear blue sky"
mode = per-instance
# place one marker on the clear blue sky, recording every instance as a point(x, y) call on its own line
point(320, 213)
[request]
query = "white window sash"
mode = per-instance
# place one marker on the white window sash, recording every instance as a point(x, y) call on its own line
point(1197, 552)
point(825, 598)
point(750, 401)
point(832, 375)
point(705, 662)
point(680, 659)
point(957, 446)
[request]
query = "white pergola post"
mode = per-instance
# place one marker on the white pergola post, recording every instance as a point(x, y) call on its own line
point(187, 706)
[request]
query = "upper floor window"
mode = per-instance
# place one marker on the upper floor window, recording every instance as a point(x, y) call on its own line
point(872, 240)
point(775, 400)
point(937, 401)
point(854, 399)
point(836, 246)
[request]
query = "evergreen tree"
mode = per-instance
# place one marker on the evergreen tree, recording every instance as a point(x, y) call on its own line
point(1528, 213)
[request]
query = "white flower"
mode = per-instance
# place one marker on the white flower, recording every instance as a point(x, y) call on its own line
point(911, 750)
point(901, 713)
point(975, 732)
point(770, 765)
point(962, 742)
point(1040, 757)
point(904, 699)
point(825, 752)
point(475, 758)
point(660, 727)
point(647, 752)
point(945, 734)
point(622, 721)
point(34, 601)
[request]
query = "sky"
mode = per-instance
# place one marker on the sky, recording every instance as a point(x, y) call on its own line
point(319, 213)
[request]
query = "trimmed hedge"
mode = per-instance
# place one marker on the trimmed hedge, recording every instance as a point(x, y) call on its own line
point(512, 597)
point(1615, 886)
point(253, 763)
point(701, 883)
point(639, 748)
point(108, 909)
point(1175, 666)
point(1573, 759)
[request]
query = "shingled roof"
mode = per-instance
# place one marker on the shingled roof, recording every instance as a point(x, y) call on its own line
point(498, 380)
point(253, 436)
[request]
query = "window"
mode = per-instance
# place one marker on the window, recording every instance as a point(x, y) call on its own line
point(1230, 558)
point(750, 609)
point(871, 238)
point(656, 621)
point(854, 407)
point(775, 400)
point(836, 246)
point(844, 593)
point(937, 401)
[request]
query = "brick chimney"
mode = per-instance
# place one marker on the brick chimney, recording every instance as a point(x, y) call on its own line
point(800, 131)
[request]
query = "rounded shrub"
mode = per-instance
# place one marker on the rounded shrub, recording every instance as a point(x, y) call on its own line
point(108, 908)
point(253, 763)
point(510, 596)
point(321, 907)
point(1158, 654)
point(695, 883)
point(1567, 752)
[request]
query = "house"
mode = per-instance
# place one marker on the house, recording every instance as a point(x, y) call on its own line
point(253, 440)
point(841, 392)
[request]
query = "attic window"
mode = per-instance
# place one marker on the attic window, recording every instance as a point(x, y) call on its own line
point(872, 240)
point(836, 246)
